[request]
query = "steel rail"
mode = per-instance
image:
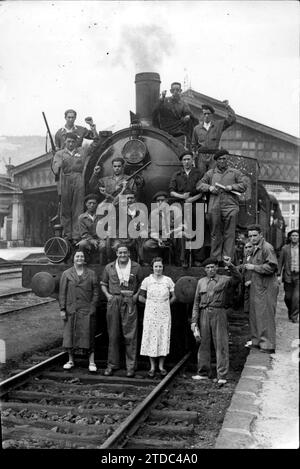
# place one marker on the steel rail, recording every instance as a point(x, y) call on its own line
point(121, 436)
point(15, 293)
point(23, 308)
point(21, 378)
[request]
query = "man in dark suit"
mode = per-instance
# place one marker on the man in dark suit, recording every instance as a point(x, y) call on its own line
point(289, 267)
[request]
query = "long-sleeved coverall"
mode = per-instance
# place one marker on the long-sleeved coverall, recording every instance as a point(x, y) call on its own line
point(211, 317)
point(223, 209)
point(69, 166)
point(121, 315)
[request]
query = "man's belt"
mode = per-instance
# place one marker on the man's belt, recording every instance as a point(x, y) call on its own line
point(210, 151)
point(72, 172)
point(214, 307)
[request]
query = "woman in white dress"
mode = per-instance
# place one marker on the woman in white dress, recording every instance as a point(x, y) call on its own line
point(157, 291)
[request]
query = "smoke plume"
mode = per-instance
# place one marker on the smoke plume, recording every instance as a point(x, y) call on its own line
point(147, 45)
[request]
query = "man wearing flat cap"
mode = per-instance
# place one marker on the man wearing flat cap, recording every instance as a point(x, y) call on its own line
point(183, 188)
point(207, 134)
point(68, 165)
point(87, 221)
point(209, 318)
point(78, 130)
point(288, 266)
point(174, 116)
point(223, 184)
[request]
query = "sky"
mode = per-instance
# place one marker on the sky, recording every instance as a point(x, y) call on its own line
point(84, 55)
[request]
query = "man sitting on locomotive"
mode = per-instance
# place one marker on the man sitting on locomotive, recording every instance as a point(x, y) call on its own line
point(173, 115)
point(132, 221)
point(112, 186)
point(207, 135)
point(87, 221)
point(183, 188)
point(224, 184)
point(68, 165)
point(78, 130)
point(163, 223)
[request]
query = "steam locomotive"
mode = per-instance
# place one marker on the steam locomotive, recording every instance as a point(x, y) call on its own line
point(156, 153)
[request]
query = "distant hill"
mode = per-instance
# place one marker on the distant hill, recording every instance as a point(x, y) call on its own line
point(20, 149)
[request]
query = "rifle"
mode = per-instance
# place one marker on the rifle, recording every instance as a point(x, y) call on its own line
point(50, 136)
point(116, 194)
point(57, 176)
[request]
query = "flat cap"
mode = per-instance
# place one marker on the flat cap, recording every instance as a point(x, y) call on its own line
point(220, 153)
point(210, 260)
point(209, 107)
point(160, 194)
point(186, 152)
point(71, 135)
point(91, 197)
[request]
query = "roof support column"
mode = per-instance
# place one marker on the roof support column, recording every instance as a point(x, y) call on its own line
point(17, 229)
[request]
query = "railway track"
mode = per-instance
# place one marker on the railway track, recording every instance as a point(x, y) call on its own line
point(20, 300)
point(46, 407)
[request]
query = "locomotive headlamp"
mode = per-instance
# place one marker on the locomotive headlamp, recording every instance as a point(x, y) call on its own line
point(134, 151)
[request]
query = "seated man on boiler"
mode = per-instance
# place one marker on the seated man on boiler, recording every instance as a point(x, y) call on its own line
point(164, 222)
point(132, 222)
point(87, 221)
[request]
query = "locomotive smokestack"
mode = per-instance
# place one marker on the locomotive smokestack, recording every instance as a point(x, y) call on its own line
point(147, 95)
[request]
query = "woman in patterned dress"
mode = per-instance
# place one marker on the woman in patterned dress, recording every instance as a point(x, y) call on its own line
point(157, 291)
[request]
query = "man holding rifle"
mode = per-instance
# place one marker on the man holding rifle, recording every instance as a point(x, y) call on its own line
point(224, 184)
point(110, 186)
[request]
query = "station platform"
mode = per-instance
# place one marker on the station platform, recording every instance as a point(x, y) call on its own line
point(264, 410)
point(20, 254)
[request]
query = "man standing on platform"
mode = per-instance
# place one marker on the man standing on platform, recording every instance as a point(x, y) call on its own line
point(263, 291)
point(223, 184)
point(78, 130)
point(209, 318)
point(289, 267)
point(120, 284)
point(207, 135)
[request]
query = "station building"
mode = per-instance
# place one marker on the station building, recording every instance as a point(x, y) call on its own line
point(25, 220)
